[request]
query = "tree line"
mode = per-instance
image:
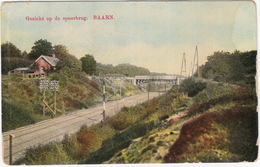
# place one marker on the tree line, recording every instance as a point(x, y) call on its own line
point(13, 57)
point(237, 67)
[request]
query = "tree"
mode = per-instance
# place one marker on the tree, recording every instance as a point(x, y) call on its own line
point(10, 63)
point(89, 64)
point(192, 87)
point(24, 54)
point(12, 58)
point(231, 67)
point(61, 52)
point(66, 59)
point(10, 50)
point(41, 47)
point(122, 70)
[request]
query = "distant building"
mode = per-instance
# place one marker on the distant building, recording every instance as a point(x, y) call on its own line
point(20, 70)
point(46, 63)
point(43, 64)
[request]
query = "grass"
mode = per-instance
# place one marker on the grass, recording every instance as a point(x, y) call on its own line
point(118, 142)
point(217, 122)
point(53, 153)
point(222, 128)
point(12, 114)
point(21, 97)
point(100, 142)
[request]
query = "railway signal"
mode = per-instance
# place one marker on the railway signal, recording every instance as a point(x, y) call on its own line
point(46, 85)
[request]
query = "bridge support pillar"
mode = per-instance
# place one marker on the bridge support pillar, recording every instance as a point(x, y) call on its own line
point(134, 82)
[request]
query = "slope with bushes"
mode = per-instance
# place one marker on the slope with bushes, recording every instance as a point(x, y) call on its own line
point(219, 123)
point(100, 142)
point(197, 121)
point(171, 128)
point(220, 128)
point(21, 97)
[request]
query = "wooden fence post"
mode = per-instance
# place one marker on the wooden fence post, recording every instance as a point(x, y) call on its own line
point(11, 149)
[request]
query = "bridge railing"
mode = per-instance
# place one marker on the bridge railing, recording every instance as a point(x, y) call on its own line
point(144, 79)
point(156, 77)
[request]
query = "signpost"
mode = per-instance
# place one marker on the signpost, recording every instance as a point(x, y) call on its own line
point(52, 85)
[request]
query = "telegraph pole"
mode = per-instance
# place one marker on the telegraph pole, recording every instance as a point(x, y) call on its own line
point(55, 102)
point(148, 94)
point(43, 110)
point(148, 89)
point(120, 90)
point(104, 100)
point(158, 87)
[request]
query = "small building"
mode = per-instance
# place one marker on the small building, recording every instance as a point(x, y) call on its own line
point(20, 70)
point(42, 65)
point(46, 63)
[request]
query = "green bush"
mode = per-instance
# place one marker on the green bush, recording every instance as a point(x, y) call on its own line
point(192, 87)
point(89, 141)
point(14, 117)
point(114, 134)
point(23, 96)
point(105, 131)
point(71, 146)
point(119, 141)
point(213, 90)
point(121, 121)
point(52, 153)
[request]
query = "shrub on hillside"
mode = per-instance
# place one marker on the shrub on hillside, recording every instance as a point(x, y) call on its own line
point(89, 141)
point(94, 85)
point(150, 107)
point(10, 63)
point(52, 153)
point(192, 87)
point(119, 141)
point(14, 116)
point(122, 120)
point(71, 146)
point(213, 90)
point(202, 133)
point(105, 131)
point(200, 108)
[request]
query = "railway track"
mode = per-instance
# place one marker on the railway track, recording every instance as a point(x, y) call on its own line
point(54, 129)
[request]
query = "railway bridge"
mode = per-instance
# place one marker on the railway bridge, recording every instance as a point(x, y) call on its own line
point(173, 79)
point(139, 80)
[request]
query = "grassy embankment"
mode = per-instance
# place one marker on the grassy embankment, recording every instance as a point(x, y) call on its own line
point(21, 97)
point(100, 142)
point(217, 124)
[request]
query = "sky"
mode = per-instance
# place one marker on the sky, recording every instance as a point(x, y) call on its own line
point(154, 35)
